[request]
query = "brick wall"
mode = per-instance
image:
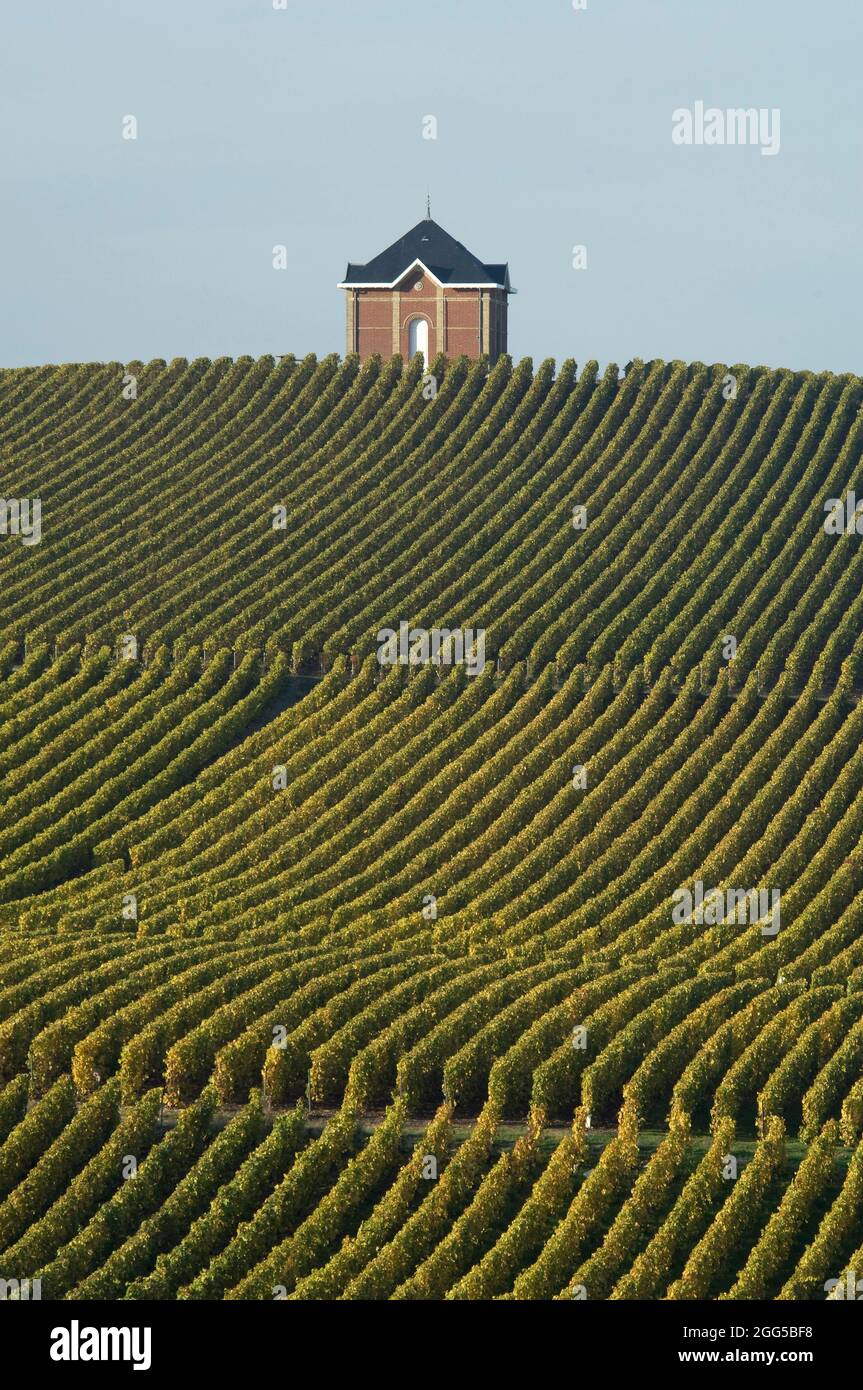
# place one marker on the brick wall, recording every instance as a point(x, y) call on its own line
point(463, 316)
point(459, 323)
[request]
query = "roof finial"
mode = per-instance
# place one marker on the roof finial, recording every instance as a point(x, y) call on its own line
point(428, 206)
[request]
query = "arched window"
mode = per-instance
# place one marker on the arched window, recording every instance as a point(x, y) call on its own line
point(418, 338)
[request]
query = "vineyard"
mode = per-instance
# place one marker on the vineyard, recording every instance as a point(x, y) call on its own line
point(322, 978)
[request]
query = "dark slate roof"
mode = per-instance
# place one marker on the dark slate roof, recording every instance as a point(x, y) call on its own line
point(440, 253)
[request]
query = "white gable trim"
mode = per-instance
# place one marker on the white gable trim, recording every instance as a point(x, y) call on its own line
point(444, 284)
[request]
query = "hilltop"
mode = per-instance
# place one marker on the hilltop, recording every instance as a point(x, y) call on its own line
point(639, 517)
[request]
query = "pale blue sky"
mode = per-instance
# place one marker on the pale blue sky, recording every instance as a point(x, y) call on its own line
point(303, 126)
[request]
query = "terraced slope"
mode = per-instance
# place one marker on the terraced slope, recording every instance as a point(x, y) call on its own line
point(436, 908)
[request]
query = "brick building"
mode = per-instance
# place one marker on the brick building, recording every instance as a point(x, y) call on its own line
point(427, 293)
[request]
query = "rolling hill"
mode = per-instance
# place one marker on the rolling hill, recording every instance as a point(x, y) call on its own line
point(375, 970)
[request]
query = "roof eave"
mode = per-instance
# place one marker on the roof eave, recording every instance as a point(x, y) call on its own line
point(444, 284)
